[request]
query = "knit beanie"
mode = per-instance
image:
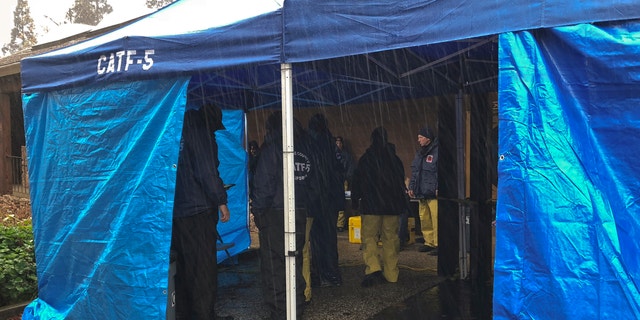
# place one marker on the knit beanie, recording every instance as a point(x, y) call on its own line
point(426, 132)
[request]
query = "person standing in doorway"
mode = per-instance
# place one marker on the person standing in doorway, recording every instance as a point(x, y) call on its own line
point(424, 186)
point(348, 166)
point(267, 206)
point(327, 202)
point(199, 196)
point(379, 192)
point(254, 153)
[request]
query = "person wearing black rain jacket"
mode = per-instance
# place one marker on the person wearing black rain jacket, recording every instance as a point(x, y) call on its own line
point(328, 200)
point(267, 206)
point(379, 192)
point(199, 195)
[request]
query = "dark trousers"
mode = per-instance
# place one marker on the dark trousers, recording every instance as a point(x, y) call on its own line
point(412, 212)
point(273, 264)
point(403, 232)
point(196, 280)
point(324, 248)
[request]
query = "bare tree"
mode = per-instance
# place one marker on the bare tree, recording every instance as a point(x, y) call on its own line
point(158, 3)
point(89, 12)
point(23, 34)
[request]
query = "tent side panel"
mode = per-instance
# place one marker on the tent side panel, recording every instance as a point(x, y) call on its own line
point(233, 170)
point(568, 218)
point(102, 165)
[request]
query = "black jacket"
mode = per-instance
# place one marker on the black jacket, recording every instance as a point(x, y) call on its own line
point(328, 196)
point(199, 188)
point(378, 181)
point(268, 188)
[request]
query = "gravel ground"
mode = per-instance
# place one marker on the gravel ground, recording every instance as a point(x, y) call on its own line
point(240, 295)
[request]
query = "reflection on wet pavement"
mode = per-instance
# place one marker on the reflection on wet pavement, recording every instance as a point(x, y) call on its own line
point(239, 293)
point(450, 299)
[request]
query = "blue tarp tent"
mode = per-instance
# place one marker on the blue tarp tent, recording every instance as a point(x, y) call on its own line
point(568, 218)
point(103, 120)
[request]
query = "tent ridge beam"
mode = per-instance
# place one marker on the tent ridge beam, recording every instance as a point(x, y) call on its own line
point(365, 81)
point(363, 95)
point(382, 65)
point(314, 91)
point(445, 58)
point(479, 81)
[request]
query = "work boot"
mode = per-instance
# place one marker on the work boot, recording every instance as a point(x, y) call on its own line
point(426, 248)
point(373, 279)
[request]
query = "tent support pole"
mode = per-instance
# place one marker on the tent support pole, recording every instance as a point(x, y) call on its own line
point(462, 206)
point(289, 188)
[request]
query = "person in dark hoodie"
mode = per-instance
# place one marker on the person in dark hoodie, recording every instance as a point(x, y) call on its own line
point(326, 204)
point(199, 196)
point(379, 192)
point(348, 165)
point(267, 206)
point(424, 186)
point(254, 154)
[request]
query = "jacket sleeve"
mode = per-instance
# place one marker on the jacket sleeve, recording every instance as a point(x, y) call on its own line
point(415, 172)
point(264, 182)
point(356, 185)
point(204, 161)
point(349, 166)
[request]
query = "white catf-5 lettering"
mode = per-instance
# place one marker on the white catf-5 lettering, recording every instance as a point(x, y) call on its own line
point(121, 61)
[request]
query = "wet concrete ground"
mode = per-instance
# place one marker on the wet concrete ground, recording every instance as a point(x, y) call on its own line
point(419, 294)
point(450, 299)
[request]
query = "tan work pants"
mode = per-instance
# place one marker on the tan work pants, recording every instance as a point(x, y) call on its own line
point(386, 228)
point(428, 210)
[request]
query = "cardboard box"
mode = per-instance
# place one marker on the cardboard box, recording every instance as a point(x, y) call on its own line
point(354, 229)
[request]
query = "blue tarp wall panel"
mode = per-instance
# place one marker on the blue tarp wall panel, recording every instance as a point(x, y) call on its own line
point(233, 170)
point(102, 184)
point(568, 213)
point(102, 171)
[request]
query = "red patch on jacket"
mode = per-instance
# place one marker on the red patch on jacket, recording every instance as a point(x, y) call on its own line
point(429, 158)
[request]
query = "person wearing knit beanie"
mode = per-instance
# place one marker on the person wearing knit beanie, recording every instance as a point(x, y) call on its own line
point(425, 132)
point(423, 186)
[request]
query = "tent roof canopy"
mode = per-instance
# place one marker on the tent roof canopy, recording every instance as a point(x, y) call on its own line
point(379, 76)
point(243, 42)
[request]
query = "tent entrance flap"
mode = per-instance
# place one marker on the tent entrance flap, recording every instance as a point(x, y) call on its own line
point(102, 173)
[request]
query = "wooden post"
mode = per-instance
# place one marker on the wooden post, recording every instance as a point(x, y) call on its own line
point(25, 170)
point(5, 145)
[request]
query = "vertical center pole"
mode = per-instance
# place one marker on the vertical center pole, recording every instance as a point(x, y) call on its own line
point(289, 188)
point(462, 212)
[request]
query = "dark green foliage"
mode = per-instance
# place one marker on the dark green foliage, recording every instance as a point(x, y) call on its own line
point(18, 281)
